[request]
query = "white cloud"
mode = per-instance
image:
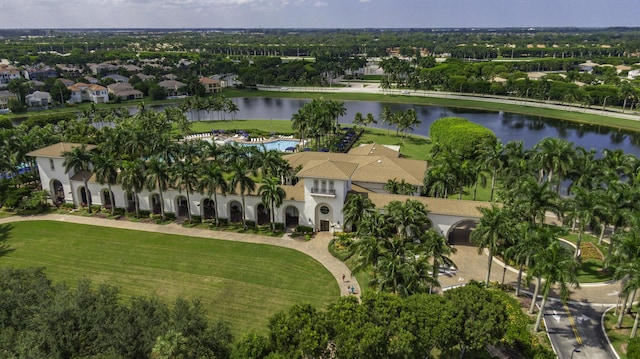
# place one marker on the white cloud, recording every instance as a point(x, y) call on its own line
point(320, 4)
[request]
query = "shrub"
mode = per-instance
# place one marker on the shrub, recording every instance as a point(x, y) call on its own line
point(279, 226)
point(460, 135)
point(250, 224)
point(196, 219)
point(95, 208)
point(143, 213)
point(119, 211)
point(304, 229)
point(633, 348)
point(170, 215)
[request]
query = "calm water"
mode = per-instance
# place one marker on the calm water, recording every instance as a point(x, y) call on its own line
point(508, 127)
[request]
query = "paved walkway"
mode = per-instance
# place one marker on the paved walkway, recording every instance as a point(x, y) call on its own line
point(315, 248)
point(474, 266)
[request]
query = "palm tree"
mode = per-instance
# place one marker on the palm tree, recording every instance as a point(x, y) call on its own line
point(556, 265)
point(355, 210)
point(241, 180)
point(533, 238)
point(554, 156)
point(79, 159)
point(158, 177)
point(408, 218)
point(494, 230)
point(386, 117)
point(583, 206)
point(435, 246)
point(211, 181)
point(185, 176)
point(131, 178)
point(272, 194)
point(624, 259)
point(105, 166)
point(490, 157)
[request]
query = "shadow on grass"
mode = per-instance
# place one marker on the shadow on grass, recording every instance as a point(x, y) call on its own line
point(5, 231)
point(592, 271)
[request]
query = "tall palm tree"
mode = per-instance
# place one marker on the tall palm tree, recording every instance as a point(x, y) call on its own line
point(105, 166)
point(583, 206)
point(554, 156)
point(435, 246)
point(356, 208)
point(185, 177)
point(556, 265)
point(624, 260)
point(211, 181)
point(272, 194)
point(241, 180)
point(490, 157)
point(79, 159)
point(408, 218)
point(494, 230)
point(158, 177)
point(132, 179)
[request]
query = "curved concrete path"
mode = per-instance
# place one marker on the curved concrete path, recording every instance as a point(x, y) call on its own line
point(316, 248)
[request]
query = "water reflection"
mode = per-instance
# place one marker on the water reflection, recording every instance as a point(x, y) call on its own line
point(507, 126)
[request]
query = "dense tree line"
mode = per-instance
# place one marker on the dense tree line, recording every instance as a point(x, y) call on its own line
point(39, 319)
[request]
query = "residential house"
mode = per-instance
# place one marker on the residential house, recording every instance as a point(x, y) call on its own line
point(67, 82)
point(39, 72)
point(173, 87)
point(633, 74)
point(39, 99)
point(5, 96)
point(8, 73)
point(70, 71)
point(316, 199)
point(124, 91)
point(132, 68)
point(210, 85)
point(103, 68)
point(144, 77)
point(91, 80)
point(81, 92)
point(116, 78)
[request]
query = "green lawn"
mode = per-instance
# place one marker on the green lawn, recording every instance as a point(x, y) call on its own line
point(619, 337)
point(242, 284)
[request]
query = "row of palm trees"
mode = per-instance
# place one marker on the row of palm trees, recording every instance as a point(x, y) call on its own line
point(142, 153)
point(396, 244)
point(216, 104)
point(318, 119)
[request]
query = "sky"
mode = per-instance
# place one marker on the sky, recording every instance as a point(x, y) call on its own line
point(317, 13)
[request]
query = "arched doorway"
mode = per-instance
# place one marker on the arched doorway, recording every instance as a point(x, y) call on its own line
point(84, 196)
point(460, 232)
point(181, 204)
point(323, 217)
point(130, 200)
point(107, 198)
point(208, 208)
point(264, 214)
point(235, 212)
point(292, 216)
point(156, 208)
point(58, 192)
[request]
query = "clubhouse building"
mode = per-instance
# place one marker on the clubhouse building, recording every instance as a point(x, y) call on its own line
point(316, 199)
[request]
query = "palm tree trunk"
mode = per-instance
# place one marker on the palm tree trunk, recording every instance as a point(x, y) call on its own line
point(489, 267)
point(635, 325)
point(244, 222)
point(112, 200)
point(534, 299)
point(86, 192)
point(273, 217)
point(161, 201)
point(621, 314)
point(539, 318)
point(188, 207)
point(493, 185)
point(519, 284)
point(577, 253)
point(601, 238)
point(215, 207)
point(135, 203)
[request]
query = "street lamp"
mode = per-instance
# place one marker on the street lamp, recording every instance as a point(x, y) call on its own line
point(504, 271)
point(575, 350)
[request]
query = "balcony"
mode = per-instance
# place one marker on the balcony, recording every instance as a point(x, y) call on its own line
point(323, 192)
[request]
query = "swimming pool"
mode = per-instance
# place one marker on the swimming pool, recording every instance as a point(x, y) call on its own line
point(278, 145)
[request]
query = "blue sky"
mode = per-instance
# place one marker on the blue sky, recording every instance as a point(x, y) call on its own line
point(317, 13)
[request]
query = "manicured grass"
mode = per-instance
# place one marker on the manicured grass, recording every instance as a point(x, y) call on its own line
point(242, 284)
point(5, 214)
point(591, 269)
point(260, 128)
point(619, 337)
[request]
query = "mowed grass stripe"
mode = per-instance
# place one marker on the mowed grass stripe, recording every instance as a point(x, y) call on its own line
point(241, 283)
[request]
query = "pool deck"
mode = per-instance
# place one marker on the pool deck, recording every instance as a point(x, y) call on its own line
point(222, 139)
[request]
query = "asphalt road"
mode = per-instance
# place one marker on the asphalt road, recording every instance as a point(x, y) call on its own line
point(577, 326)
